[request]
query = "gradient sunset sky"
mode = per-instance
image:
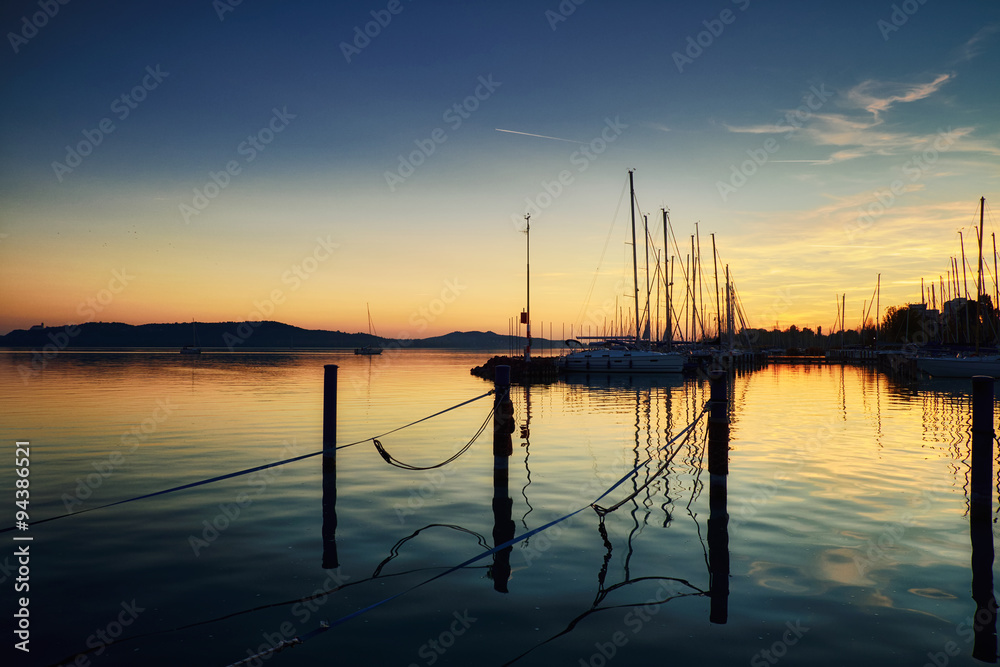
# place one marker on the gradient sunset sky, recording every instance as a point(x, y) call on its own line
point(214, 161)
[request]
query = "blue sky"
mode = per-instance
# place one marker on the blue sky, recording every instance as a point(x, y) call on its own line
point(276, 158)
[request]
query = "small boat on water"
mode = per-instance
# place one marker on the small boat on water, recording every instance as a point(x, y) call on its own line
point(193, 348)
point(369, 350)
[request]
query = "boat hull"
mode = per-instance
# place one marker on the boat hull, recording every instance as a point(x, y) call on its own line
point(959, 367)
point(622, 361)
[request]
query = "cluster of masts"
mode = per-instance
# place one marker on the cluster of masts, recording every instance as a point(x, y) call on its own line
point(686, 317)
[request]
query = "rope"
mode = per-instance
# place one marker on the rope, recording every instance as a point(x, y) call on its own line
point(393, 461)
point(509, 543)
point(602, 511)
point(244, 472)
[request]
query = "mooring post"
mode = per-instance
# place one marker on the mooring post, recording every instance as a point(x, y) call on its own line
point(718, 518)
point(329, 529)
point(980, 520)
point(503, 447)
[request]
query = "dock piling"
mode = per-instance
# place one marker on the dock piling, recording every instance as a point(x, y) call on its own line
point(503, 448)
point(718, 519)
point(329, 530)
point(984, 647)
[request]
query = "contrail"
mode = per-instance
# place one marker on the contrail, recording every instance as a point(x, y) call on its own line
point(542, 136)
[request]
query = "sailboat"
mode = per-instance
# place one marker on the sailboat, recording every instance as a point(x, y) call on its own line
point(966, 365)
point(193, 348)
point(623, 356)
point(369, 350)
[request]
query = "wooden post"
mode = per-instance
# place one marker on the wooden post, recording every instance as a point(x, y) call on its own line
point(718, 519)
point(503, 524)
point(329, 529)
point(984, 647)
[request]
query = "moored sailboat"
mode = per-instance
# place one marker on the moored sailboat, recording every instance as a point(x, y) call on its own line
point(369, 350)
point(617, 356)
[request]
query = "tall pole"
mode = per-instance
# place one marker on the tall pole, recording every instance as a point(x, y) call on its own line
point(980, 288)
point(878, 284)
point(670, 304)
point(965, 281)
point(666, 275)
point(996, 276)
point(718, 311)
point(694, 295)
point(701, 296)
point(635, 270)
point(645, 229)
point(527, 236)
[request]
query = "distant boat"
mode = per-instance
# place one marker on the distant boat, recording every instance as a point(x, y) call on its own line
point(369, 350)
point(193, 348)
point(620, 356)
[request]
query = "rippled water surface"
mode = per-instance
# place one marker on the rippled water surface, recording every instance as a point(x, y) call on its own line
point(848, 538)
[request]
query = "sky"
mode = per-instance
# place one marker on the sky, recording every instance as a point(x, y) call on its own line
point(303, 161)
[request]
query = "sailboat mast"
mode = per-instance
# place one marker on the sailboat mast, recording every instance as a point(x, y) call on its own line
point(718, 311)
point(635, 269)
point(670, 325)
point(878, 284)
point(980, 286)
point(996, 278)
point(701, 296)
point(691, 287)
point(666, 274)
point(645, 230)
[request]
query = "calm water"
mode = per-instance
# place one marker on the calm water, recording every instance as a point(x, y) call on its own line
point(848, 535)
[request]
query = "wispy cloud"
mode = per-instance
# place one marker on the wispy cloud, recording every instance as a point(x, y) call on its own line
point(879, 96)
point(759, 129)
point(540, 136)
point(974, 46)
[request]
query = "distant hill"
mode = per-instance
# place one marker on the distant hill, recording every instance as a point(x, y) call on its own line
point(228, 336)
